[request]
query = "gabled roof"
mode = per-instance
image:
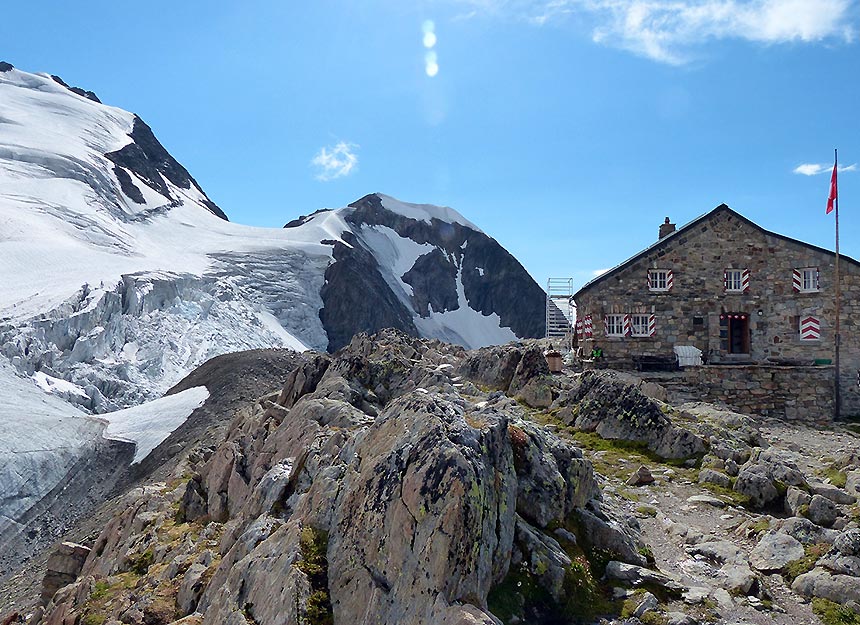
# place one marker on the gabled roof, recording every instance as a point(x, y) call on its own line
point(688, 226)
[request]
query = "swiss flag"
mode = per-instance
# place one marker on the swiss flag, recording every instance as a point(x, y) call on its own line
point(834, 194)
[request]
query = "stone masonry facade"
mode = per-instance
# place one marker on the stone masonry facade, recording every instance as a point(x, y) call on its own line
point(730, 288)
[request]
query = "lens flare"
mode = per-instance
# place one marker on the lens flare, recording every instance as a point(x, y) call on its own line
point(428, 26)
point(432, 69)
point(429, 39)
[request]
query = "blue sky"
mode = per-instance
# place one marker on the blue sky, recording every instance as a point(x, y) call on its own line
point(566, 129)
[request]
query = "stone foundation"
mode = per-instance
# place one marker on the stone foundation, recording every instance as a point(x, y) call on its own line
point(794, 393)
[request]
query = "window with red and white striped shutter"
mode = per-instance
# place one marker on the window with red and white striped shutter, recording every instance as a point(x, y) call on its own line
point(806, 279)
point(810, 328)
point(736, 280)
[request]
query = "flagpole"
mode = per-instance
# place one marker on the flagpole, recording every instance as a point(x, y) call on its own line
point(837, 412)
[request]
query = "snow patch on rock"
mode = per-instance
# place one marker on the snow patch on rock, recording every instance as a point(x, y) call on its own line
point(149, 424)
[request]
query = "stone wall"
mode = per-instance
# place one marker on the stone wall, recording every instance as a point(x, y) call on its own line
point(803, 394)
point(689, 313)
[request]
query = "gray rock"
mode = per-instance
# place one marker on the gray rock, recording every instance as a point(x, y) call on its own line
point(774, 551)
point(834, 494)
point(820, 583)
point(720, 551)
point(806, 532)
point(190, 589)
point(637, 575)
point(608, 530)
point(848, 543)
point(679, 618)
point(843, 565)
point(710, 476)
point(696, 595)
point(648, 603)
point(737, 578)
point(640, 477)
point(64, 566)
point(821, 511)
point(796, 500)
point(732, 467)
point(707, 499)
point(544, 557)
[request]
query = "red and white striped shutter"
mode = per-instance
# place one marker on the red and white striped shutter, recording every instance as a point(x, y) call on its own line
point(670, 280)
point(817, 279)
point(628, 325)
point(649, 279)
point(606, 325)
point(726, 280)
point(796, 280)
point(652, 325)
point(745, 280)
point(589, 327)
point(810, 329)
point(579, 329)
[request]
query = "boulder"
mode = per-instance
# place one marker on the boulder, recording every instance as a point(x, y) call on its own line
point(796, 501)
point(820, 583)
point(640, 477)
point(64, 565)
point(710, 476)
point(821, 511)
point(613, 406)
point(806, 532)
point(774, 551)
point(834, 494)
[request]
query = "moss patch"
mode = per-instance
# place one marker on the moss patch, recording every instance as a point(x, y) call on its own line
point(834, 614)
point(805, 564)
point(313, 544)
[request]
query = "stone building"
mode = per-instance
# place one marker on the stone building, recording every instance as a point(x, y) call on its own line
point(760, 306)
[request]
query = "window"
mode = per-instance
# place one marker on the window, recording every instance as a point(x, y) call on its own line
point(639, 325)
point(805, 280)
point(737, 280)
point(660, 279)
point(614, 325)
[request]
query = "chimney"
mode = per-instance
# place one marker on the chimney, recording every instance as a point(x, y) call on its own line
point(666, 228)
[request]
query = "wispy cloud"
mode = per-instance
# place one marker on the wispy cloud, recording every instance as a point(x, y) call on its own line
point(335, 161)
point(813, 169)
point(599, 272)
point(671, 31)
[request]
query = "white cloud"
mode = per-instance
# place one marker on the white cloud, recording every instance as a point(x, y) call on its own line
point(670, 31)
point(599, 272)
point(813, 169)
point(335, 162)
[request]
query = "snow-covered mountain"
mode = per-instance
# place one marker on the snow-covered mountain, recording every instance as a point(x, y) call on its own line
point(118, 275)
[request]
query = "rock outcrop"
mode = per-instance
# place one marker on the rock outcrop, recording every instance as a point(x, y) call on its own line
point(376, 482)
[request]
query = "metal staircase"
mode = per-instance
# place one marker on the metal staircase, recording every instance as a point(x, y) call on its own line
point(560, 310)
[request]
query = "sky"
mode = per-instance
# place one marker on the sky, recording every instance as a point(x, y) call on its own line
point(565, 129)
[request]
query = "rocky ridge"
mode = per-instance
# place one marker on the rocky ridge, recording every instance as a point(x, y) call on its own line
point(414, 482)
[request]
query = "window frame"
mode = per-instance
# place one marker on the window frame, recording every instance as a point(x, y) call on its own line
point(652, 280)
point(618, 318)
point(739, 273)
point(646, 327)
point(814, 275)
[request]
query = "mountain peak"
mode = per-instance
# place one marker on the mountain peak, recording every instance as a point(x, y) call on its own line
point(419, 212)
